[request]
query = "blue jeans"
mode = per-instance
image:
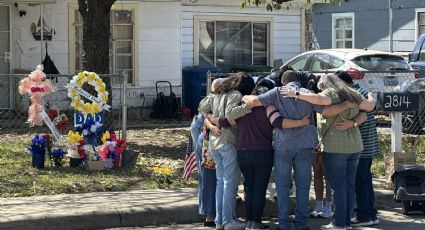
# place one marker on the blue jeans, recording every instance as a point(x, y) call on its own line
point(341, 171)
point(228, 176)
point(256, 166)
point(206, 184)
point(365, 196)
point(301, 160)
point(206, 177)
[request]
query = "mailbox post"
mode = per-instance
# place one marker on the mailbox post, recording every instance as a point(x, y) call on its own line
point(395, 103)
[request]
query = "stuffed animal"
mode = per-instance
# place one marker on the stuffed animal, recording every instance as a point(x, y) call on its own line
point(37, 86)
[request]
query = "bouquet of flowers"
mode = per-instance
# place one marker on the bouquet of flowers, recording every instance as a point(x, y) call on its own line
point(59, 120)
point(39, 144)
point(57, 157)
point(112, 149)
point(91, 130)
point(38, 147)
point(77, 147)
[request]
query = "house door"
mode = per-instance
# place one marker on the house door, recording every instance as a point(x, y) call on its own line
point(4, 57)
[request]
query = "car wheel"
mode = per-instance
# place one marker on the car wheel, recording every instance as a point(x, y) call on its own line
point(412, 123)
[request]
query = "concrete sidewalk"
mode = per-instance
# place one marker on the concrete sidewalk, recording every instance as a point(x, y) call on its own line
point(116, 209)
point(100, 210)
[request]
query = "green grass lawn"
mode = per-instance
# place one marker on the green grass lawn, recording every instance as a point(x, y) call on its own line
point(410, 143)
point(157, 148)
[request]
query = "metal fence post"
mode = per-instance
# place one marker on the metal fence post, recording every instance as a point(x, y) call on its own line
point(124, 106)
point(208, 82)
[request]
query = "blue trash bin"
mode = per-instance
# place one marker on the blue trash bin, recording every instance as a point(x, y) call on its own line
point(195, 85)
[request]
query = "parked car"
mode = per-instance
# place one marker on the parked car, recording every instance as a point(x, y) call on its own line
point(376, 71)
point(417, 56)
point(414, 122)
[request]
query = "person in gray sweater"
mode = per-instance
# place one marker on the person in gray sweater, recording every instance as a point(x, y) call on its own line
point(225, 102)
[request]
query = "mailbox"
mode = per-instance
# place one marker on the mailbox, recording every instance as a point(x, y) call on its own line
point(398, 102)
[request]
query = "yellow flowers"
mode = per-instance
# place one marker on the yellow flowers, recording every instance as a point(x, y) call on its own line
point(162, 170)
point(105, 137)
point(91, 77)
point(80, 83)
point(75, 93)
point(74, 138)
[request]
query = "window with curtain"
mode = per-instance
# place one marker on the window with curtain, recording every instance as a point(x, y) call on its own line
point(421, 23)
point(121, 49)
point(343, 30)
point(233, 43)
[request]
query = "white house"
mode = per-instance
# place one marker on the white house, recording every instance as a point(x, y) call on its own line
point(153, 39)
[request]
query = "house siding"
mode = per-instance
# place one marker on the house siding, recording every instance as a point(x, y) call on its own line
point(164, 38)
point(159, 43)
point(26, 51)
point(371, 23)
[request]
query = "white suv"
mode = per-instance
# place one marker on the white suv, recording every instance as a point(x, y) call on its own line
point(375, 71)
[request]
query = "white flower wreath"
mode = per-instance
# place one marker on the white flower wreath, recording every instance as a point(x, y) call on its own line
point(75, 91)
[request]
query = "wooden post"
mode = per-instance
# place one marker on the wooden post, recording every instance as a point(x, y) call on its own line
point(396, 126)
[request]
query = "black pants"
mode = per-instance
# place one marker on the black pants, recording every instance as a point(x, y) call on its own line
point(256, 166)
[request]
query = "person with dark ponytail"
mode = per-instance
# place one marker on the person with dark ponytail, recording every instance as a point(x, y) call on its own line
point(225, 103)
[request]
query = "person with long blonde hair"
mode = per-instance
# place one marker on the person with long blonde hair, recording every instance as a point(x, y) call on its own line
point(341, 149)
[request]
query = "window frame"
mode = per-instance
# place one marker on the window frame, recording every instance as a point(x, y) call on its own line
point(343, 15)
point(118, 6)
point(268, 20)
point(417, 11)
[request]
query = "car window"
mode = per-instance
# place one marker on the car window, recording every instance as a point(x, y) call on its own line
point(299, 64)
point(323, 62)
point(381, 62)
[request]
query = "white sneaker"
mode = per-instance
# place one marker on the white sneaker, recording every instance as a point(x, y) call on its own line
point(332, 227)
point(358, 223)
point(376, 222)
point(235, 225)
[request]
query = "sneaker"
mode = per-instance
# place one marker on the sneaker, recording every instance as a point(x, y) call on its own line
point(375, 222)
point(248, 225)
point(258, 226)
point(358, 223)
point(332, 227)
point(235, 225)
point(219, 226)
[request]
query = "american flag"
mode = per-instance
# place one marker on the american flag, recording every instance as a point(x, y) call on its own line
point(190, 160)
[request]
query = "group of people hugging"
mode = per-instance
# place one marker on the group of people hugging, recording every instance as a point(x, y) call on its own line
point(256, 126)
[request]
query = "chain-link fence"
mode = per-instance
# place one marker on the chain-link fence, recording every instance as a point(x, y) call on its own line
point(14, 107)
